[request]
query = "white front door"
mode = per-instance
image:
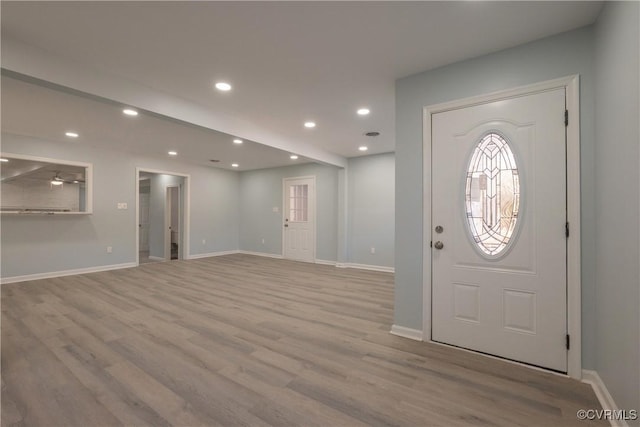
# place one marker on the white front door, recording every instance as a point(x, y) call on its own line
point(299, 218)
point(499, 245)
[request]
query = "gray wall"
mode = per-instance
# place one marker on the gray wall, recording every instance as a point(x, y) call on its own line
point(553, 57)
point(261, 191)
point(371, 209)
point(61, 243)
point(617, 204)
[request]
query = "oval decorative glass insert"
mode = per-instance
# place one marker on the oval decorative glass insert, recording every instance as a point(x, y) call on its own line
point(492, 196)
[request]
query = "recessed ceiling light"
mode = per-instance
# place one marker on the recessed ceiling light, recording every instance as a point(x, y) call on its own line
point(72, 134)
point(363, 111)
point(237, 141)
point(130, 112)
point(309, 124)
point(234, 165)
point(223, 86)
point(173, 153)
point(293, 157)
point(4, 160)
point(75, 181)
point(363, 148)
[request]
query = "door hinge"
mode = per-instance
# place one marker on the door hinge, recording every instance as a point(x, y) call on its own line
point(566, 229)
point(566, 117)
point(431, 244)
point(568, 341)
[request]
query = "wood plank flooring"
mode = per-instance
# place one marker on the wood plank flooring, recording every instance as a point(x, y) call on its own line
point(244, 340)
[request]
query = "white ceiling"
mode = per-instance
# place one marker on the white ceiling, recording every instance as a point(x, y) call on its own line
point(288, 62)
point(42, 112)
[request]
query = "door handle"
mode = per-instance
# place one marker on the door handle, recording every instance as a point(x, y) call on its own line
point(286, 225)
point(438, 245)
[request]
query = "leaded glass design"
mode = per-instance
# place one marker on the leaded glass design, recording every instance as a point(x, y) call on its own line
point(492, 196)
point(298, 203)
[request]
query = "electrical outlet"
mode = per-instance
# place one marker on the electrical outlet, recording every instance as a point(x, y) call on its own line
point(122, 205)
point(276, 209)
point(373, 250)
point(263, 241)
point(204, 242)
point(109, 249)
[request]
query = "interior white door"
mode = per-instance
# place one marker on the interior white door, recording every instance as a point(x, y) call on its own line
point(143, 222)
point(299, 219)
point(172, 223)
point(499, 229)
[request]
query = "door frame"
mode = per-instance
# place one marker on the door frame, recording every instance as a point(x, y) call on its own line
point(186, 217)
point(313, 210)
point(168, 217)
point(571, 84)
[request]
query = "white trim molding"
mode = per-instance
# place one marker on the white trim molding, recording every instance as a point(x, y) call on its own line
point(404, 332)
point(213, 254)
point(62, 273)
point(264, 254)
point(571, 84)
point(370, 267)
point(602, 393)
point(325, 262)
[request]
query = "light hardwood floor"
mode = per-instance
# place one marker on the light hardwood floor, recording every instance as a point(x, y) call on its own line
point(244, 340)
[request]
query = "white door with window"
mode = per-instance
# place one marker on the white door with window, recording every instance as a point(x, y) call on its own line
point(499, 246)
point(299, 235)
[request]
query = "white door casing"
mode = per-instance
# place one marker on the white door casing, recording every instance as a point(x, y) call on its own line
point(299, 216)
point(465, 263)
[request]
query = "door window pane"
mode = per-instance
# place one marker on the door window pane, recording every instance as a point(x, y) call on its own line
point(298, 203)
point(492, 195)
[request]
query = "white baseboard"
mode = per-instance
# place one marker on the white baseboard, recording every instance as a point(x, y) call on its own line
point(401, 331)
point(325, 262)
point(265, 254)
point(382, 268)
point(156, 258)
point(602, 393)
point(212, 254)
point(63, 273)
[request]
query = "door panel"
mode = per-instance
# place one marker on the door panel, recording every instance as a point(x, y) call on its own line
point(144, 222)
point(511, 303)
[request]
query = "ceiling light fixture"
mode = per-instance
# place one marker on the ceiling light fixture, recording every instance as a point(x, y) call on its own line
point(130, 112)
point(72, 134)
point(237, 141)
point(309, 125)
point(234, 165)
point(56, 180)
point(4, 160)
point(363, 148)
point(293, 157)
point(173, 153)
point(363, 111)
point(223, 86)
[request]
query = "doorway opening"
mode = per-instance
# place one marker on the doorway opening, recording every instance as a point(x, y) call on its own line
point(162, 216)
